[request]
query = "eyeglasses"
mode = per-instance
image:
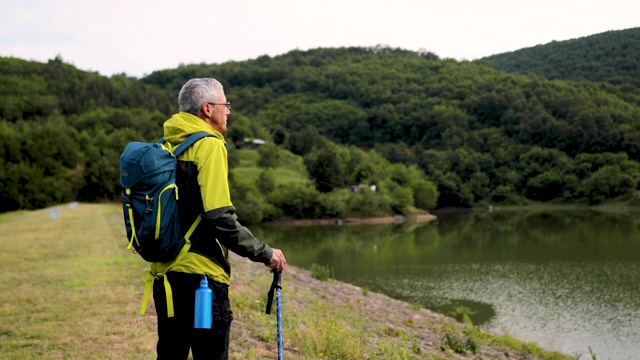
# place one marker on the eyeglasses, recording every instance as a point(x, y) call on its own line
point(227, 104)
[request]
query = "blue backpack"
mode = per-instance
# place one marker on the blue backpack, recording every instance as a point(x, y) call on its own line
point(149, 198)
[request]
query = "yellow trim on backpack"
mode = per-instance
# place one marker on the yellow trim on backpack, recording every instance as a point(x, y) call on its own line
point(133, 227)
point(165, 268)
point(159, 216)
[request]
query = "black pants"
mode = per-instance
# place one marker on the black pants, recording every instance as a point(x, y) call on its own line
point(176, 335)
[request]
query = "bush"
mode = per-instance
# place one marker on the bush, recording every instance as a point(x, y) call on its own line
point(454, 342)
point(251, 205)
point(505, 194)
point(320, 272)
point(248, 202)
point(250, 210)
point(367, 203)
point(269, 156)
point(334, 204)
point(266, 181)
point(324, 167)
point(400, 198)
point(609, 182)
point(425, 194)
point(297, 201)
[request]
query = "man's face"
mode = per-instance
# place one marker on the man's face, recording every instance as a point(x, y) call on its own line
point(218, 114)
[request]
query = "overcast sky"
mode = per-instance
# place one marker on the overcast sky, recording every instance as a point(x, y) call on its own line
point(137, 37)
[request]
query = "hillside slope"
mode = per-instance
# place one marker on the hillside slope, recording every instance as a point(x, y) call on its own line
point(612, 57)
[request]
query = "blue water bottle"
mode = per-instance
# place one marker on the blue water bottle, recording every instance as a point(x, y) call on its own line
point(204, 299)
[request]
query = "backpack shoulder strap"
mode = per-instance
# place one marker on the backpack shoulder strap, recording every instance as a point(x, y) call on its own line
point(190, 141)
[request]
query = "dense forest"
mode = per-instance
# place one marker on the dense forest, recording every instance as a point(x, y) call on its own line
point(608, 57)
point(428, 132)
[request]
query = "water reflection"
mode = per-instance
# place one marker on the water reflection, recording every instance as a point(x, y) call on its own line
point(566, 279)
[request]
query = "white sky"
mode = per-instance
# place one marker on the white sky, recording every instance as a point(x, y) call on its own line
point(138, 37)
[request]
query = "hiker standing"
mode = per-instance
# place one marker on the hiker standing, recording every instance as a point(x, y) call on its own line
point(208, 218)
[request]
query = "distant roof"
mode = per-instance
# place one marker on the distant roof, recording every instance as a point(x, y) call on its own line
point(254, 141)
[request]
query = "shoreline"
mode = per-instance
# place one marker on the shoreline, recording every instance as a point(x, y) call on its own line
point(398, 219)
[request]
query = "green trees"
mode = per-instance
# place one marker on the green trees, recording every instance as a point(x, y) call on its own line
point(38, 161)
point(326, 170)
point(269, 156)
point(63, 131)
point(427, 132)
point(607, 57)
point(611, 182)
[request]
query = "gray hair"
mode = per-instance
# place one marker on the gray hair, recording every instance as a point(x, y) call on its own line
point(198, 91)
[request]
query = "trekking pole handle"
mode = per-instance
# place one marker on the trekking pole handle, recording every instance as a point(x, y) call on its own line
point(277, 279)
point(275, 284)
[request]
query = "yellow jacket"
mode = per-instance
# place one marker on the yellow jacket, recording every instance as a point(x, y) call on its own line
point(206, 213)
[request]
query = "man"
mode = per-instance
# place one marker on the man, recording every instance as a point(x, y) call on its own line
point(205, 204)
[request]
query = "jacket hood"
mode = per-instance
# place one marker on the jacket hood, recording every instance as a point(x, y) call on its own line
point(178, 128)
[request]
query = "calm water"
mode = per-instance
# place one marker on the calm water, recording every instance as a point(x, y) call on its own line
point(566, 279)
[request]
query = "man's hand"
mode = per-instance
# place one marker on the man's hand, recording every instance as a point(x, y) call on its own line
point(277, 260)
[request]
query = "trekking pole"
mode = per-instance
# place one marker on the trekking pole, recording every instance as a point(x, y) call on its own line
point(276, 287)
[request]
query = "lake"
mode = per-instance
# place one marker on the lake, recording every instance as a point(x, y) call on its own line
point(565, 278)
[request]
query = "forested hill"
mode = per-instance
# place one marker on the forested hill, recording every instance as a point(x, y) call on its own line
point(62, 131)
point(365, 97)
point(32, 89)
point(482, 136)
point(612, 57)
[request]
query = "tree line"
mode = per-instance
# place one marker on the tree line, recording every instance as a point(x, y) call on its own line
point(459, 133)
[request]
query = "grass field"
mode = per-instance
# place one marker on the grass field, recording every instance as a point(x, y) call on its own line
point(68, 290)
point(290, 170)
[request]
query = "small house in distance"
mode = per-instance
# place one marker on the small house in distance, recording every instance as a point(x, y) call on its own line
point(248, 143)
point(356, 188)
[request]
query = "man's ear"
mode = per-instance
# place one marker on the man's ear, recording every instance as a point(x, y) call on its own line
point(205, 109)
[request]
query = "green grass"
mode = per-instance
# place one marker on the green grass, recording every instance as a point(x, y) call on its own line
point(8, 216)
point(68, 291)
point(291, 169)
point(248, 158)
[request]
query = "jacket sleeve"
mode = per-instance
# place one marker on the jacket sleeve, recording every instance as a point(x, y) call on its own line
point(236, 237)
point(219, 212)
